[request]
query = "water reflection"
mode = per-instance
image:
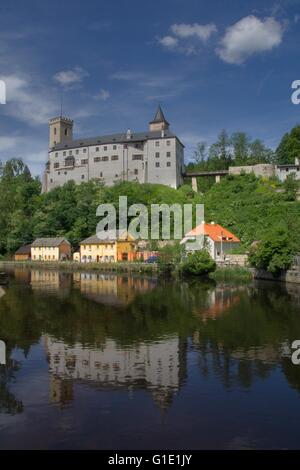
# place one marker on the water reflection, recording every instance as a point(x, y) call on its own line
point(124, 334)
point(158, 367)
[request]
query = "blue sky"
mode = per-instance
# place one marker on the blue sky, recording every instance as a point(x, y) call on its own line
point(211, 65)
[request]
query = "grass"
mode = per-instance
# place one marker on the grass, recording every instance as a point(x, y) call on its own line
point(232, 273)
point(119, 267)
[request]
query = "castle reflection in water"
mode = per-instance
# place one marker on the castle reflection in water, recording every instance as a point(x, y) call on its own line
point(158, 366)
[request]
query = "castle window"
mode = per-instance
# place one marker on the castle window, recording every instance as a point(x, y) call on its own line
point(157, 143)
point(56, 165)
point(66, 131)
point(58, 173)
point(105, 147)
point(64, 154)
point(157, 164)
point(114, 157)
point(77, 152)
point(84, 150)
point(54, 130)
point(168, 142)
point(101, 174)
point(82, 177)
point(97, 149)
point(114, 147)
point(84, 161)
point(168, 163)
point(116, 176)
point(56, 154)
point(104, 159)
point(66, 172)
point(51, 180)
point(137, 157)
point(168, 154)
point(125, 146)
point(97, 159)
point(156, 154)
point(136, 171)
point(70, 152)
point(70, 161)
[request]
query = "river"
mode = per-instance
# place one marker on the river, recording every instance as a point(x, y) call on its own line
point(103, 361)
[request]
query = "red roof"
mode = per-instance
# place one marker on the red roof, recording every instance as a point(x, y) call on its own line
point(215, 232)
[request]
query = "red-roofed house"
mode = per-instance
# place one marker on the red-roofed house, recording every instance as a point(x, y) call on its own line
point(218, 239)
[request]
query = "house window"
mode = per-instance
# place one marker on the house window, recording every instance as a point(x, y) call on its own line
point(137, 157)
point(114, 157)
point(168, 142)
point(97, 159)
point(168, 154)
point(157, 164)
point(168, 163)
point(157, 143)
point(156, 154)
point(114, 147)
point(82, 177)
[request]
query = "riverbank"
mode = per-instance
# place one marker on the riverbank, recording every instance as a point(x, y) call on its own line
point(120, 267)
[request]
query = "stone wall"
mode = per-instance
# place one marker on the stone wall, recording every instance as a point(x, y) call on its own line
point(264, 170)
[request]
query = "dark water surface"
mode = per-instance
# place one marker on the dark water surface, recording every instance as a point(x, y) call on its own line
point(99, 361)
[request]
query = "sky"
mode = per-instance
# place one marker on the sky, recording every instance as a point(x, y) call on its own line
point(211, 65)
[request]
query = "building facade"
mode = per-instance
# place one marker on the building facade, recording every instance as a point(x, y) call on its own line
point(50, 249)
point(154, 156)
point(23, 253)
point(95, 250)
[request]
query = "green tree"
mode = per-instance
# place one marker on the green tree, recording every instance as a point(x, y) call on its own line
point(289, 147)
point(198, 263)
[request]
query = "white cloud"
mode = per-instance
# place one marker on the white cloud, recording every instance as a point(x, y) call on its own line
point(103, 95)
point(202, 32)
point(168, 41)
point(70, 77)
point(26, 103)
point(249, 36)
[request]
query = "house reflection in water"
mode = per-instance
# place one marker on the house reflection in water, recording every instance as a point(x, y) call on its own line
point(111, 289)
point(218, 301)
point(159, 367)
point(51, 281)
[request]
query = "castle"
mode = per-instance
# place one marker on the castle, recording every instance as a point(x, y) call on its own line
point(153, 156)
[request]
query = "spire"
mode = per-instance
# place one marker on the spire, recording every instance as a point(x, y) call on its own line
point(159, 122)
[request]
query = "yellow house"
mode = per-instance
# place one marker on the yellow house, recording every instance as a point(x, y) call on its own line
point(108, 249)
point(50, 249)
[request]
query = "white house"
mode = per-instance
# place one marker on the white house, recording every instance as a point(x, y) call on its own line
point(218, 240)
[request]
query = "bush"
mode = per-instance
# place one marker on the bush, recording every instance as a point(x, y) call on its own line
point(198, 263)
point(273, 253)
